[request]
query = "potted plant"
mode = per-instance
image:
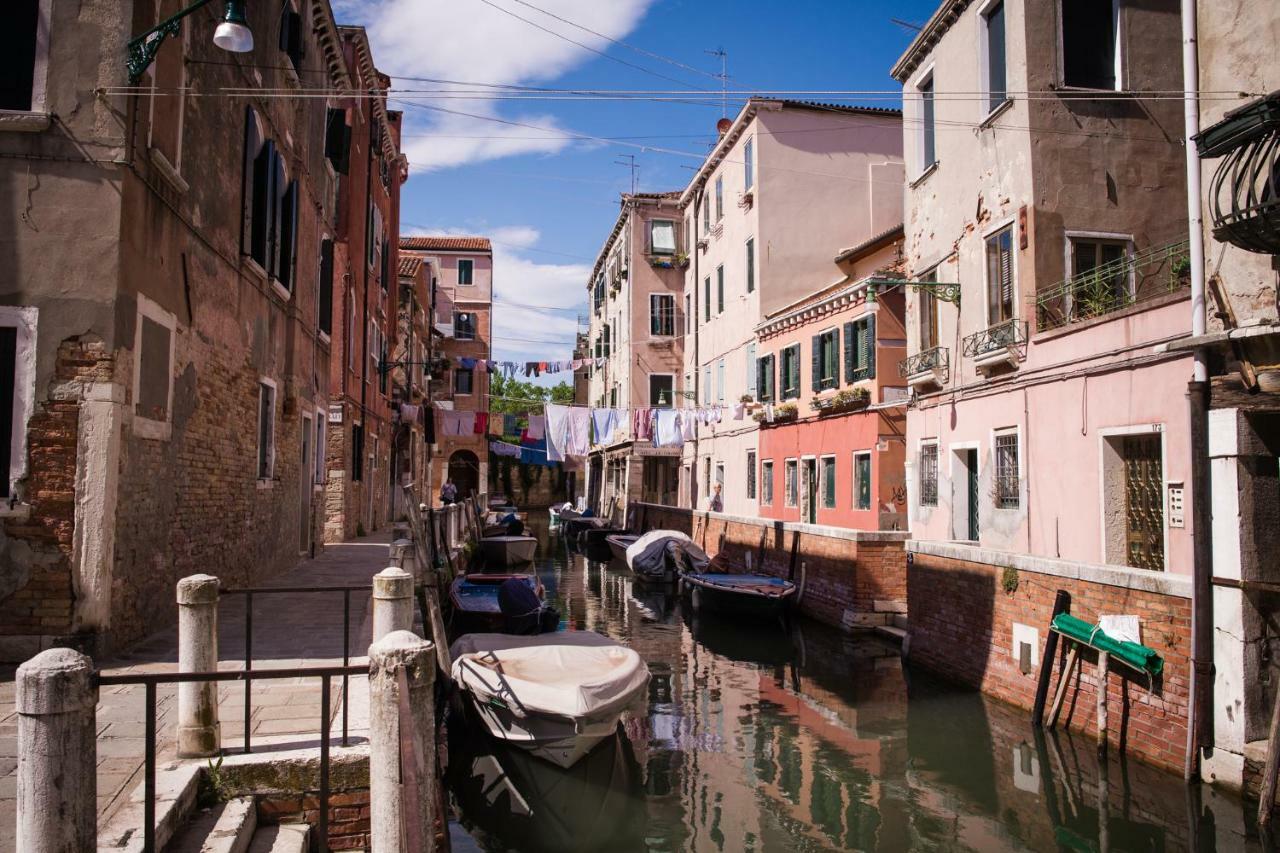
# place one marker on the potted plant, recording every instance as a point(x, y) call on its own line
point(785, 413)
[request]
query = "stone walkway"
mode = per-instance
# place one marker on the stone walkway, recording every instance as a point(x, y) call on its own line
point(289, 630)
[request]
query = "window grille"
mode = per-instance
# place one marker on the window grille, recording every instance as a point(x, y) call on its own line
point(1007, 480)
point(929, 475)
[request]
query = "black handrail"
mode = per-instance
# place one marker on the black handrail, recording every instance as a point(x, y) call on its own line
point(249, 593)
point(149, 680)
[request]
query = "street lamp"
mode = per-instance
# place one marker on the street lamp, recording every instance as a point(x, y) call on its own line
point(233, 35)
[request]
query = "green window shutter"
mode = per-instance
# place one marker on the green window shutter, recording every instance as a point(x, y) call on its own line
point(850, 347)
point(817, 363)
point(871, 347)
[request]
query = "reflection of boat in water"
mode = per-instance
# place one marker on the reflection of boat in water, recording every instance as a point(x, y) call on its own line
point(515, 801)
point(770, 643)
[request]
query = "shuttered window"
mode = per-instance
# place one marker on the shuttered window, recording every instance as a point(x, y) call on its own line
point(826, 360)
point(337, 140)
point(292, 40)
point(751, 475)
point(466, 271)
point(764, 379)
point(706, 298)
point(860, 349)
point(325, 319)
point(720, 289)
point(751, 264)
point(928, 312)
point(18, 39)
point(1000, 296)
point(789, 372)
point(285, 269)
point(862, 481)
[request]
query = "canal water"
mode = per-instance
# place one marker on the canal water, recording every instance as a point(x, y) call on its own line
point(763, 737)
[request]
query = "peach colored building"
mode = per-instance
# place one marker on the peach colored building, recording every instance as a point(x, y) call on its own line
point(787, 181)
point(635, 289)
point(833, 359)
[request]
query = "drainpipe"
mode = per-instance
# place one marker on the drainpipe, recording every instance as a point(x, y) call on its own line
point(1199, 716)
point(697, 367)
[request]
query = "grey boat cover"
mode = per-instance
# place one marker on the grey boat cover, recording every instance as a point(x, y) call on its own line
point(652, 554)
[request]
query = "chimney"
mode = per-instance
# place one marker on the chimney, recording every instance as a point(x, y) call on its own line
point(723, 125)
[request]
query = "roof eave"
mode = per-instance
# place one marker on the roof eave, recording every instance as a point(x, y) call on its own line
point(933, 30)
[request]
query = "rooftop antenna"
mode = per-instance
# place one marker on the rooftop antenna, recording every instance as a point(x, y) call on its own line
point(724, 79)
point(629, 160)
point(906, 25)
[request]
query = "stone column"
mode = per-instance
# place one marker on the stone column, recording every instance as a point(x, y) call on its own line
point(199, 733)
point(392, 602)
point(57, 754)
point(401, 650)
point(395, 554)
point(404, 549)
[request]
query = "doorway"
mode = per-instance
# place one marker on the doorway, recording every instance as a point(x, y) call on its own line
point(964, 497)
point(809, 490)
point(464, 470)
point(305, 466)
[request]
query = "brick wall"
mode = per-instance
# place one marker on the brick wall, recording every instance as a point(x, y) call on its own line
point(962, 628)
point(348, 815)
point(852, 578)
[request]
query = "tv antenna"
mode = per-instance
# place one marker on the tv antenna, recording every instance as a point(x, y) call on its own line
point(629, 160)
point(906, 25)
point(724, 79)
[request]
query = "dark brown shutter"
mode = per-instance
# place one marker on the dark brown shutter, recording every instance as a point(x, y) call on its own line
point(8, 385)
point(289, 237)
point(260, 202)
point(326, 287)
point(817, 363)
point(247, 181)
point(337, 140)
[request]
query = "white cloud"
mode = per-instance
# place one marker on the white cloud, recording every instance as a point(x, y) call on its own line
point(469, 41)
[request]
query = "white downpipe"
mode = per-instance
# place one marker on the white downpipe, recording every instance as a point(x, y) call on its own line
point(1191, 111)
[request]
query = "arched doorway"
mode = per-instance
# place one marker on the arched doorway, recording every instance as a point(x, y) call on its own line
point(464, 470)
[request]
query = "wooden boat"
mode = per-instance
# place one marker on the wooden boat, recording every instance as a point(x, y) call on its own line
point(619, 543)
point(754, 595)
point(594, 540)
point(504, 551)
point(556, 695)
point(473, 600)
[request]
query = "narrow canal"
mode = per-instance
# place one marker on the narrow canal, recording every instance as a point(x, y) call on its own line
point(771, 737)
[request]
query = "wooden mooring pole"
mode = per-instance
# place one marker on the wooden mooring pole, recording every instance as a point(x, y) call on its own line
point(1061, 604)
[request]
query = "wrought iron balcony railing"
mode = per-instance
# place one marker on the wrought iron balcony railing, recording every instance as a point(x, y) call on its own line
point(1009, 333)
point(938, 358)
point(1113, 286)
point(1244, 195)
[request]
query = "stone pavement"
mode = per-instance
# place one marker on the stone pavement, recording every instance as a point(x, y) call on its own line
point(289, 630)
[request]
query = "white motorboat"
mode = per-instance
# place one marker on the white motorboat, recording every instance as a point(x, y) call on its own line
point(556, 695)
point(505, 551)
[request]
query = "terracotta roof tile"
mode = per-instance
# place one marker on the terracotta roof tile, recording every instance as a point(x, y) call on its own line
point(409, 265)
point(446, 244)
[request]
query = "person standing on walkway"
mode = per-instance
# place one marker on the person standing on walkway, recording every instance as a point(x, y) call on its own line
point(716, 504)
point(448, 493)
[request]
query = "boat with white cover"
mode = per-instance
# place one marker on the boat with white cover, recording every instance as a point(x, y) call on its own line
point(556, 695)
point(656, 557)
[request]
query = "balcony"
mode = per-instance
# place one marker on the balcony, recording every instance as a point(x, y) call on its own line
point(1242, 194)
point(1001, 345)
point(1114, 286)
point(931, 367)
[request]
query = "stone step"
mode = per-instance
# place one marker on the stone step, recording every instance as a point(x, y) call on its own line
point(282, 838)
point(225, 828)
point(892, 632)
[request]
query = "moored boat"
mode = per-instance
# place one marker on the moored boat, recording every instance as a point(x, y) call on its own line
point(556, 695)
point(619, 543)
point(659, 556)
point(593, 540)
point(505, 551)
point(757, 595)
point(473, 600)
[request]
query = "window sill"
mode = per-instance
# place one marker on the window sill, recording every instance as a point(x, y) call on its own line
point(151, 429)
point(18, 512)
point(254, 268)
point(1002, 108)
point(15, 121)
point(281, 290)
point(265, 484)
point(167, 171)
point(924, 176)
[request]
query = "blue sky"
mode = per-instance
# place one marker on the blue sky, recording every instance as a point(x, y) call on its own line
point(549, 200)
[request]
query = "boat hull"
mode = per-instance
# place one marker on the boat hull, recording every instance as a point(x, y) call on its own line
point(473, 600)
point(594, 542)
point(561, 741)
point(618, 544)
point(506, 551)
point(737, 594)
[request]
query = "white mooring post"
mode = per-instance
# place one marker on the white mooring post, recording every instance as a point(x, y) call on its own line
point(392, 602)
point(403, 549)
point(402, 774)
point(57, 754)
point(199, 732)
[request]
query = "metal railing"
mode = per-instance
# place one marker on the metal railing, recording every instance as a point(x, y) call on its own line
point(249, 593)
point(150, 680)
point(1113, 286)
point(937, 358)
point(1009, 333)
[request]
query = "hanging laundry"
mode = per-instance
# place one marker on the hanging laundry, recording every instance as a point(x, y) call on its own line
point(557, 431)
point(579, 431)
point(467, 363)
point(408, 413)
point(458, 423)
point(689, 424)
point(739, 409)
point(481, 423)
point(510, 424)
point(667, 431)
point(501, 448)
point(537, 427)
point(605, 421)
point(768, 412)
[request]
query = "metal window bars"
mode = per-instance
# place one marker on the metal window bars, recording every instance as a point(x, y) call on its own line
point(1007, 479)
point(937, 358)
point(1009, 333)
point(929, 475)
point(1113, 286)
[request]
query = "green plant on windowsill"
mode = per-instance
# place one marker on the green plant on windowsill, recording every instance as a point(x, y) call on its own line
point(746, 398)
point(785, 413)
point(844, 400)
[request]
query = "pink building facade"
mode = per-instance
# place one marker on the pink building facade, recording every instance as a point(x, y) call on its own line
point(834, 357)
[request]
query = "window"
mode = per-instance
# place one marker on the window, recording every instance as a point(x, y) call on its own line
point(752, 378)
point(790, 482)
point(928, 312)
point(319, 450)
point(860, 349)
point(862, 481)
point(662, 315)
point(720, 289)
point(994, 43)
point(337, 140)
point(748, 164)
point(688, 314)
point(706, 298)
point(357, 452)
point(720, 474)
point(928, 131)
point(766, 482)
point(597, 294)
point(719, 197)
point(751, 264)
point(826, 360)
point(764, 379)
point(1090, 56)
point(828, 482)
point(662, 237)
point(9, 425)
point(288, 258)
point(1134, 522)
point(153, 370)
point(372, 234)
point(463, 380)
point(464, 325)
point(929, 474)
point(351, 329)
point(706, 215)
point(466, 271)
point(17, 391)
point(1007, 477)
point(751, 475)
point(266, 429)
point(269, 218)
point(1000, 296)
point(789, 372)
point(706, 477)
point(720, 381)
point(1109, 285)
point(375, 349)
point(324, 300)
point(19, 38)
point(662, 388)
point(292, 35)
point(606, 341)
